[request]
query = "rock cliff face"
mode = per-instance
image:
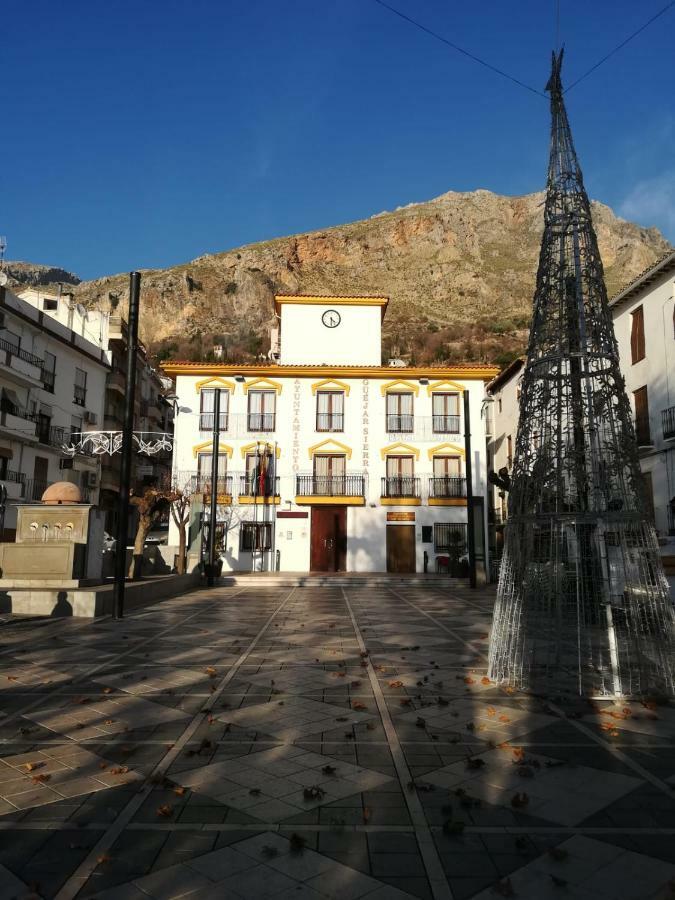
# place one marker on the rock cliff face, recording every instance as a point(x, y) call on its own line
point(459, 270)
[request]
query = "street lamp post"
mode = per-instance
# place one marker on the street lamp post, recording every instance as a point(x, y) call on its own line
point(127, 438)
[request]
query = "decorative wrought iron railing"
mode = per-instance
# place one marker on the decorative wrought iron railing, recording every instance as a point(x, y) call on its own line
point(15, 477)
point(12, 349)
point(423, 427)
point(201, 484)
point(330, 485)
point(441, 486)
point(207, 421)
point(255, 486)
point(330, 422)
point(668, 423)
point(401, 486)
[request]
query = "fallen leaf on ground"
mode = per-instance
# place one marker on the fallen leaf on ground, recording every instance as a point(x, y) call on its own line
point(32, 766)
point(165, 810)
point(485, 680)
point(107, 690)
point(179, 790)
point(119, 770)
point(503, 718)
point(491, 711)
point(358, 705)
point(395, 684)
point(469, 680)
point(210, 671)
point(102, 859)
point(40, 779)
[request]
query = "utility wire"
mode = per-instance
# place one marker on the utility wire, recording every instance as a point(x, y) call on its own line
point(459, 49)
point(622, 44)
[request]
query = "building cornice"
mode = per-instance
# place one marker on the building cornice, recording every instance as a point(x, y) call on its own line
point(644, 279)
point(324, 300)
point(467, 372)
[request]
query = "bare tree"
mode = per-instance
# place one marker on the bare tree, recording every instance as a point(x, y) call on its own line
point(180, 513)
point(151, 504)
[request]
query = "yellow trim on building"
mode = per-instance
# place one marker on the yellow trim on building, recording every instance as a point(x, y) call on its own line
point(474, 372)
point(345, 500)
point(263, 384)
point(400, 501)
point(330, 446)
point(318, 300)
point(246, 500)
point(445, 386)
point(213, 381)
point(331, 384)
point(253, 446)
point(398, 448)
point(445, 450)
point(400, 386)
point(208, 445)
point(447, 501)
point(221, 499)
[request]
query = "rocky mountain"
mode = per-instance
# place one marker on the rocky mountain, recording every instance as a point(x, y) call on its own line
point(33, 275)
point(459, 269)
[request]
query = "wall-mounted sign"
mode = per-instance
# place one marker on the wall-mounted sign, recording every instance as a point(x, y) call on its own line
point(286, 514)
point(400, 517)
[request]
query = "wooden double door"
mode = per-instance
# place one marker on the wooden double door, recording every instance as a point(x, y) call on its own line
point(328, 545)
point(401, 548)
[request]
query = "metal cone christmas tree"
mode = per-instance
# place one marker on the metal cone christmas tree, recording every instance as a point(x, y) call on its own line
point(583, 605)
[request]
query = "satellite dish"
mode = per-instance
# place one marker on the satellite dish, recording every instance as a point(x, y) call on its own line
point(3, 279)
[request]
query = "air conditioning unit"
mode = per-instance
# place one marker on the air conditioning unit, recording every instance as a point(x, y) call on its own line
point(90, 418)
point(92, 479)
point(65, 464)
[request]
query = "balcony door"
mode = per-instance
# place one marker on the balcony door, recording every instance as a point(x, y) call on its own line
point(204, 472)
point(261, 410)
point(447, 472)
point(400, 476)
point(329, 475)
point(400, 412)
point(330, 411)
point(259, 474)
point(328, 541)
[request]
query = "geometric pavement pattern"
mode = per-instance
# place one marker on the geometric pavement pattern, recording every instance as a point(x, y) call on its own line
point(324, 741)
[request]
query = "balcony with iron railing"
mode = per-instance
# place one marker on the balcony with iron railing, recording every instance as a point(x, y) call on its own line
point(447, 491)
point(401, 488)
point(422, 428)
point(330, 422)
point(21, 363)
point(239, 424)
point(258, 489)
point(339, 489)
point(14, 484)
point(17, 419)
point(202, 484)
point(668, 423)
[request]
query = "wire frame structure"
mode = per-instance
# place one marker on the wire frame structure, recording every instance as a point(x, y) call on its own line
point(582, 604)
point(108, 443)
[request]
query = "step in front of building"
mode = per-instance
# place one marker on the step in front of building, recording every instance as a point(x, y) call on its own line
point(337, 579)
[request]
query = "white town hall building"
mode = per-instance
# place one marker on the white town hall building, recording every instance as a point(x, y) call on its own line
point(329, 461)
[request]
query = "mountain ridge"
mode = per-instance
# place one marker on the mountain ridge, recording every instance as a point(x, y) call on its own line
point(459, 270)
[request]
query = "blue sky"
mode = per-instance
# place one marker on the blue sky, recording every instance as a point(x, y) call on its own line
point(142, 134)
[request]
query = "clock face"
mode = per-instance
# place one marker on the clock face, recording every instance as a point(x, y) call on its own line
point(331, 318)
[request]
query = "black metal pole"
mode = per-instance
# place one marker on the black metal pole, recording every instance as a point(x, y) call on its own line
point(127, 439)
point(211, 554)
point(471, 541)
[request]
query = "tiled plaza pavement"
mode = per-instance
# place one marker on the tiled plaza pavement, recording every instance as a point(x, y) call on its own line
point(319, 742)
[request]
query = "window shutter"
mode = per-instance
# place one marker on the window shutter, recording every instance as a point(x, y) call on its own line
point(637, 335)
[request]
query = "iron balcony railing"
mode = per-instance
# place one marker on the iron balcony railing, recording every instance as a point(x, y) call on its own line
point(330, 485)
point(201, 484)
point(400, 486)
point(404, 424)
point(255, 486)
point(447, 486)
point(668, 423)
point(261, 421)
point(16, 477)
point(423, 427)
point(207, 420)
point(34, 488)
point(21, 354)
point(330, 422)
point(53, 435)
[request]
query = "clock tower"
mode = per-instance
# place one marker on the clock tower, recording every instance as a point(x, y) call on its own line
point(339, 331)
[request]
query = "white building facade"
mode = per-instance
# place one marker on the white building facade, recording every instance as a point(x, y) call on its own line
point(329, 461)
point(52, 383)
point(644, 324)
